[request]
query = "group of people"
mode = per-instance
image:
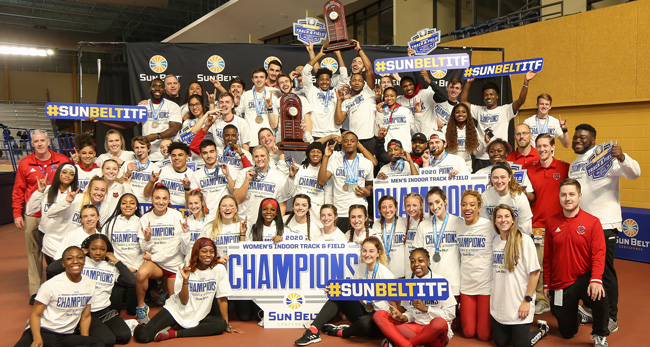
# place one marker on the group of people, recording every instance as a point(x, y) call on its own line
point(109, 226)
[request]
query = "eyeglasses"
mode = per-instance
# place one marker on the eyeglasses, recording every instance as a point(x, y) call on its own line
point(526, 133)
point(195, 105)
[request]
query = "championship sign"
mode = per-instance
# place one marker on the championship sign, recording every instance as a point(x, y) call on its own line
point(399, 186)
point(600, 161)
point(392, 290)
point(505, 68)
point(425, 41)
point(427, 62)
point(287, 279)
point(69, 111)
point(309, 31)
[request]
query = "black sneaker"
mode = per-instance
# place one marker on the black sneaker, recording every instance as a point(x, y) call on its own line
point(307, 338)
point(585, 315)
point(32, 299)
point(543, 325)
point(333, 330)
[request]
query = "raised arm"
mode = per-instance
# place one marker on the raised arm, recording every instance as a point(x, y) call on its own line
point(370, 72)
point(516, 105)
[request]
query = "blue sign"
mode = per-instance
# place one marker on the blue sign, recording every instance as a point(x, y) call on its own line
point(425, 41)
point(634, 242)
point(309, 30)
point(504, 68)
point(59, 110)
point(427, 62)
point(393, 290)
point(600, 161)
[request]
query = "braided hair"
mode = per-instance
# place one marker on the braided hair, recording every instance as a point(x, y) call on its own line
point(90, 239)
point(426, 253)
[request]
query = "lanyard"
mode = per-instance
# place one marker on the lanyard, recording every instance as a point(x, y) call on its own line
point(432, 162)
point(351, 170)
point(208, 173)
point(374, 273)
point(260, 175)
point(51, 168)
point(259, 108)
point(437, 238)
point(388, 241)
point(399, 165)
point(154, 114)
point(541, 130)
point(140, 166)
point(326, 96)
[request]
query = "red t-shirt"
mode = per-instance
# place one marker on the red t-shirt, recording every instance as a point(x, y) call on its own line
point(29, 171)
point(546, 183)
point(573, 246)
point(525, 161)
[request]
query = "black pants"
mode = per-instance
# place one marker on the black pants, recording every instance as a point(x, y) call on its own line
point(111, 332)
point(54, 268)
point(478, 164)
point(519, 335)
point(567, 315)
point(362, 323)
point(610, 280)
point(121, 295)
point(208, 326)
point(246, 310)
point(59, 340)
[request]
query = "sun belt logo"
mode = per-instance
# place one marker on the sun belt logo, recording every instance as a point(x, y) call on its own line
point(270, 59)
point(216, 64)
point(439, 73)
point(158, 64)
point(630, 227)
point(330, 64)
point(293, 301)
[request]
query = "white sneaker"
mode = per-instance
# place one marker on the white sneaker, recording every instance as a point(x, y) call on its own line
point(542, 307)
point(612, 326)
point(585, 315)
point(599, 341)
point(261, 323)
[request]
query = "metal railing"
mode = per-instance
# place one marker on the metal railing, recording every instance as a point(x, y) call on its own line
point(14, 149)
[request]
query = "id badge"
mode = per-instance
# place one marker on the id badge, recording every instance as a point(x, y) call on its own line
point(538, 236)
point(558, 295)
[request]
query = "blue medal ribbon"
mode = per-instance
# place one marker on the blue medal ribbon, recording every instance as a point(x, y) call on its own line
point(259, 107)
point(432, 161)
point(541, 130)
point(437, 238)
point(399, 165)
point(388, 241)
point(351, 170)
point(154, 114)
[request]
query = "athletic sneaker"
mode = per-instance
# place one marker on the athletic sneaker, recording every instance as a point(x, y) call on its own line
point(543, 325)
point(387, 343)
point(585, 315)
point(612, 326)
point(142, 314)
point(307, 338)
point(261, 323)
point(542, 307)
point(162, 335)
point(599, 341)
point(333, 330)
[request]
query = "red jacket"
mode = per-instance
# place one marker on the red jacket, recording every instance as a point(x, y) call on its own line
point(572, 247)
point(29, 171)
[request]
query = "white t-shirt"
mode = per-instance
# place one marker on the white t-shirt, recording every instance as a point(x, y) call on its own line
point(496, 119)
point(104, 274)
point(383, 273)
point(165, 112)
point(203, 286)
point(164, 244)
point(298, 232)
point(488, 171)
point(519, 204)
point(233, 160)
point(395, 248)
point(123, 234)
point(248, 106)
point(428, 120)
point(445, 309)
point(443, 111)
point(344, 199)
point(242, 127)
point(445, 165)
point(410, 238)
point(108, 205)
point(306, 182)
point(360, 109)
point(229, 235)
point(185, 136)
point(139, 178)
point(64, 302)
point(124, 156)
point(550, 125)
point(358, 238)
point(322, 118)
point(274, 184)
point(389, 172)
point(475, 246)
point(402, 125)
point(173, 180)
point(336, 236)
point(449, 264)
point(189, 238)
point(83, 177)
point(509, 288)
point(72, 238)
point(268, 232)
point(212, 187)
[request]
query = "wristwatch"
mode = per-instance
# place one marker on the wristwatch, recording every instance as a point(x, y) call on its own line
point(528, 298)
point(158, 137)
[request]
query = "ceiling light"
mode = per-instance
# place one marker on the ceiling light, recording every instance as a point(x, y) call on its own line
point(25, 50)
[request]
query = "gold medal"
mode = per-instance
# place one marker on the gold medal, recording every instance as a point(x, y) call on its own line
point(259, 119)
point(369, 307)
point(155, 124)
point(345, 187)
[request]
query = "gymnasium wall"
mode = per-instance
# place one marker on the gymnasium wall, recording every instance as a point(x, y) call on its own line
point(596, 68)
point(33, 86)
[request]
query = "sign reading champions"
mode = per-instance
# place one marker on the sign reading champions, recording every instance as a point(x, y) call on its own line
point(393, 290)
point(504, 68)
point(287, 279)
point(58, 110)
point(427, 62)
point(425, 41)
point(309, 31)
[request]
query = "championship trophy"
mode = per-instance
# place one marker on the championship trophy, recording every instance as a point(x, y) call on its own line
point(291, 121)
point(337, 29)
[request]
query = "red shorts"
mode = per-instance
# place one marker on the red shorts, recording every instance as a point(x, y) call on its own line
point(168, 274)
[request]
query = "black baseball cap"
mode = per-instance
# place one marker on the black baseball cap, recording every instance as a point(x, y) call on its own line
point(419, 137)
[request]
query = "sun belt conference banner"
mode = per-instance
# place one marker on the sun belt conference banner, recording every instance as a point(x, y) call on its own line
point(287, 279)
point(202, 62)
point(399, 186)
